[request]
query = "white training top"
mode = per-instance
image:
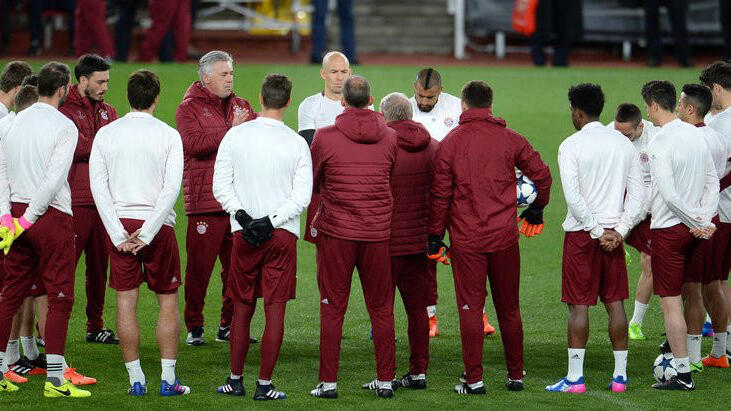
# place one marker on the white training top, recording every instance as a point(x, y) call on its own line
point(5, 124)
point(442, 118)
point(598, 166)
point(38, 151)
point(640, 143)
point(3, 110)
point(684, 180)
point(136, 168)
point(317, 111)
point(719, 148)
point(264, 168)
point(722, 123)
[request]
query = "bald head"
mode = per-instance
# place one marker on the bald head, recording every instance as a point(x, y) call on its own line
point(335, 70)
point(396, 107)
point(334, 57)
point(357, 92)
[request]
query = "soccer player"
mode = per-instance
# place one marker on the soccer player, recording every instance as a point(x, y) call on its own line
point(598, 166)
point(38, 152)
point(90, 28)
point(439, 113)
point(135, 167)
point(684, 198)
point(628, 121)
point(11, 80)
point(693, 105)
point(85, 106)
point(263, 178)
point(717, 77)
point(166, 16)
point(352, 163)
point(481, 216)
point(209, 109)
point(410, 184)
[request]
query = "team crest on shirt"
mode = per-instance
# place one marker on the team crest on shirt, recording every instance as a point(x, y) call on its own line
point(449, 122)
point(81, 115)
point(201, 227)
point(313, 232)
point(644, 158)
point(104, 115)
point(206, 113)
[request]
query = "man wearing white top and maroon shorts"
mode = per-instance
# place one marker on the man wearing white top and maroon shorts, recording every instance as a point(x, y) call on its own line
point(136, 168)
point(263, 178)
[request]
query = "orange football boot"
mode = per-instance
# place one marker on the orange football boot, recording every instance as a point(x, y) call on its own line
point(487, 329)
point(433, 329)
point(76, 378)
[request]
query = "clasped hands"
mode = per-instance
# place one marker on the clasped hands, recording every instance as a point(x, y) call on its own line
point(610, 240)
point(133, 244)
point(255, 231)
point(703, 233)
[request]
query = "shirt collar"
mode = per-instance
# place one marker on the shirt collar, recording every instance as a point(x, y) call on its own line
point(593, 124)
point(138, 114)
point(268, 120)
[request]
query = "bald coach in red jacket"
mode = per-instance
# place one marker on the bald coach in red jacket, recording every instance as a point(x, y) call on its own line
point(85, 106)
point(352, 162)
point(473, 193)
point(209, 109)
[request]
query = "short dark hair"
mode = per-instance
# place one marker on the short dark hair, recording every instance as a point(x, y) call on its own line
point(27, 96)
point(717, 73)
point(13, 75)
point(275, 91)
point(428, 78)
point(143, 86)
point(31, 80)
point(661, 92)
point(698, 96)
point(90, 63)
point(52, 76)
point(588, 98)
point(477, 94)
point(357, 91)
point(628, 112)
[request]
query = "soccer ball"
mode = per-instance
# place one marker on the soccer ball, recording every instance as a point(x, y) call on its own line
point(526, 190)
point(664, 368)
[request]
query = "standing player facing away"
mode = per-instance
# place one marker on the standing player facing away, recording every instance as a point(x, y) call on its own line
point(628, 121)
point(209, 109)
point(481, 216)
point(598, 166)
point(702, 279)
point(38, 152)
point(85, 106)
point(717, 77)
point(263, 178)
point(352, 163)
point(439, 113)
point(684, 199)
point(136, 167)
point(11, 79)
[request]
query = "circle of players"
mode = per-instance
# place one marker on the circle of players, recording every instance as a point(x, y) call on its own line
point(379, 188)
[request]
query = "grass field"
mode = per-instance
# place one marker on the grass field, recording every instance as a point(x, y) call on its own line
point(534, 103)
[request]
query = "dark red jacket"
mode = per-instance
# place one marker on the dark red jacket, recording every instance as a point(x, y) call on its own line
point(352, 162)
point(203, 119)
point(410, 184)
point(89, 116)
point(473, 191)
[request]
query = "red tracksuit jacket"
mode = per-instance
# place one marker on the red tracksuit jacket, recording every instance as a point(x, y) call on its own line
point(203, 119)
point(410, 184)
point(473, 191)
point(352, 162)
point(88, 116)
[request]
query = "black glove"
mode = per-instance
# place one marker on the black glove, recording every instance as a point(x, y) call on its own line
point(259, 230)
point(243, 218)
point(533, 215)
point(434, 244)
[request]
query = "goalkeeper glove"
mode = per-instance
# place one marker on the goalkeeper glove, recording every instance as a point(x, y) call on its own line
point(260, 229)
point(436, 250)
point(10, 229)
point(532, 221)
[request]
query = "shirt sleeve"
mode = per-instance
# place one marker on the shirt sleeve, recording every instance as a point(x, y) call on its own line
point(99, 181)
point(305, 119)
point(4, 184)
point(575, 201)
point(635, 202)
point(709, 200)
point(223, 179)
point(56, 173)
point(168, 194)
point(299, 199)
point(442, 190)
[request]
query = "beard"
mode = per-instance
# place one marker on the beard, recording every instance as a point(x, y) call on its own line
point(63, 98)
point(424, 108)
point(93, 97)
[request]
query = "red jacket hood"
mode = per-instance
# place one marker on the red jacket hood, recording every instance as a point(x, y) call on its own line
point(412, 136)
point(362, 125)
point(480, 114)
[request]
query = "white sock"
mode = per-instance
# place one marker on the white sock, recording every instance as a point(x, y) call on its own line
point(728, 340)
point(639, 314)
point(3, 366)
point(30, 348)
point(55, 366)
point(384, 384)
point(168, 370)
point(418, 377)
point(12, 353)
point(694, 347)
point(478, 384)
point(620, 364)
point(431, 311)
point(265, 382)
point(682, 365)
point(134, 369)
point(576, 364)
point(327, 386)
point(65, 365)
point(708, 317)
point(235, 377)
point(719, 345)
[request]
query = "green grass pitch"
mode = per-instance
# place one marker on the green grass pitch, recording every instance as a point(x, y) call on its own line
point(534, 102)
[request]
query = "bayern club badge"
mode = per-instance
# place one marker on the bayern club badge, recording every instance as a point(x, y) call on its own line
point(104, 115)
point(449, 122)
point(644, 157)
point(313, 232)
point(201, 227)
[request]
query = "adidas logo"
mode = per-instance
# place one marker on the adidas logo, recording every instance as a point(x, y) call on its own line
point(61, 295)
point(466, 307)
point(325, 301)
point(174, 280)
point(575, 357)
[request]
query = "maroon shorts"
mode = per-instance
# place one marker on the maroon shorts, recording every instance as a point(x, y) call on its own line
point(671, 251)
point(268, 271)
point(590, 272)
point(699, 268)
point(722, 251)
point(36, 290)
point(157, 264)
point(639, 238)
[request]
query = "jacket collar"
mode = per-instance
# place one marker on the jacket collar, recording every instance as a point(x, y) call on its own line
point(480, 114)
